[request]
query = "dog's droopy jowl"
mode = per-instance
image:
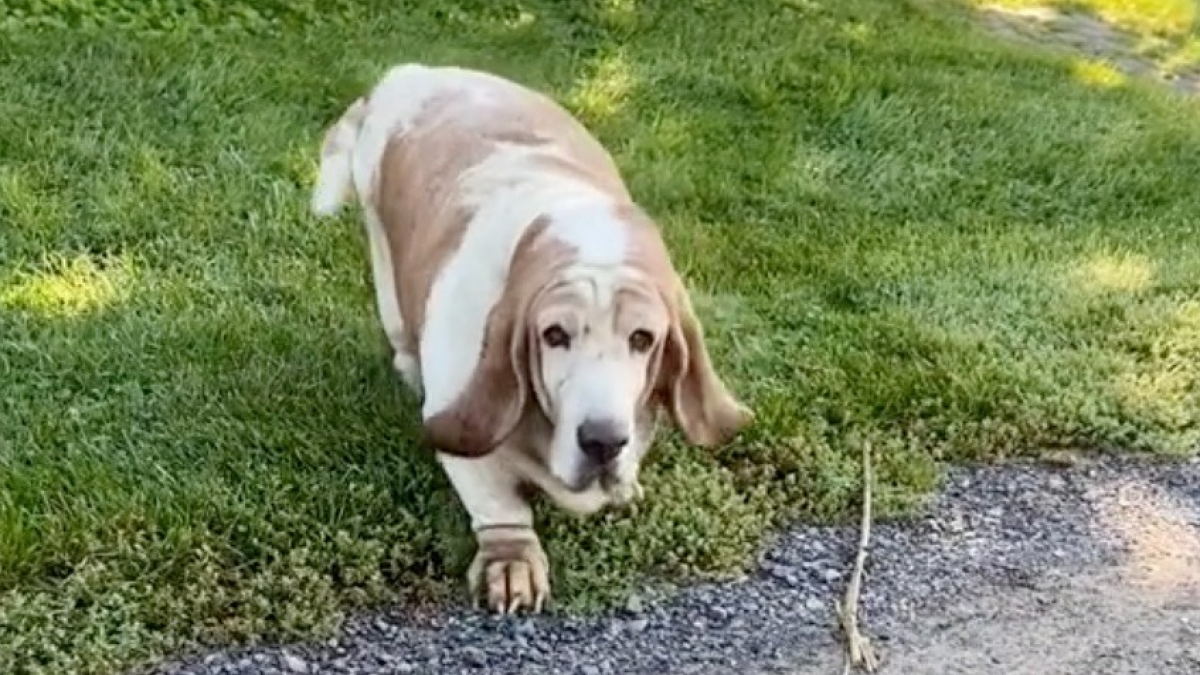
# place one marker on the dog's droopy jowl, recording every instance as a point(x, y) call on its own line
point(529, 302)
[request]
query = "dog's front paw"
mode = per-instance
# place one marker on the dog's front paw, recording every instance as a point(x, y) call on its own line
point(511, 565)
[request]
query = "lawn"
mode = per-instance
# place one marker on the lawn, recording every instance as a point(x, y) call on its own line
point(897, 230)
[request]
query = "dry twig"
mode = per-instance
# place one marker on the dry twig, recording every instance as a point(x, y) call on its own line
point(859, 652)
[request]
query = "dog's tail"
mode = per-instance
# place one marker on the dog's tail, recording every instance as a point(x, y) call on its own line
point(335, 177)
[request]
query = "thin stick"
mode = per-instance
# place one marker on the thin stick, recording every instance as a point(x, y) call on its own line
point(859, 652)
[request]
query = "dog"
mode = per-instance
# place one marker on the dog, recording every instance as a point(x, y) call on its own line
point(530, 304)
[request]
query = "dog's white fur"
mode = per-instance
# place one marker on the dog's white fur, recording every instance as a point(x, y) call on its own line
point(509, 218)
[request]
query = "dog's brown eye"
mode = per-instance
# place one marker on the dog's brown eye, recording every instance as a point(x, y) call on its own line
point(641, 340)
point(555, 336)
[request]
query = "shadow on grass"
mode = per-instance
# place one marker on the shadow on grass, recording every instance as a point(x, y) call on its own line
point(875, 213)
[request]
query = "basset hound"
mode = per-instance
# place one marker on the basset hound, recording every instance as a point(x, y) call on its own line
point(530, 303)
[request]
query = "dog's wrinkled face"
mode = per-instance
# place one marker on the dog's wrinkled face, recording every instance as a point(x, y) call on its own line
point(596, 339)
point(596, 350)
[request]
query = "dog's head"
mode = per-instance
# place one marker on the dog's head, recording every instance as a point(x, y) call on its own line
point(597, 347)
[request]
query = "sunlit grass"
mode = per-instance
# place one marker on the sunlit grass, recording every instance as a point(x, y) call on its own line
point(67, 288)
point(1097, 73)
point(601, 92)
point(1108, 273)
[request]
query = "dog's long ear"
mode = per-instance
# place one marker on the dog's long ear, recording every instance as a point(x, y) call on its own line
point(697, 399)
point(490, 406)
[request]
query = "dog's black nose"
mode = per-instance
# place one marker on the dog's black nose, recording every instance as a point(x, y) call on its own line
point(601, 440)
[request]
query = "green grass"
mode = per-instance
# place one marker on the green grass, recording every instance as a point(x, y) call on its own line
point(896, 229)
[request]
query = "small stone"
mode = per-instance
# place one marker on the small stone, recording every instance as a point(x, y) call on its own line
point(589, 669)
point(1193, 654)
point(638, 625)
point(635, 604)
point(814, 604)
point(957, 524)
point(404, 667)
point(831, 575)
point(294, 663)
point(475, 657)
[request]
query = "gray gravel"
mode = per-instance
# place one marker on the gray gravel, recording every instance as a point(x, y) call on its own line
point(1018, 569)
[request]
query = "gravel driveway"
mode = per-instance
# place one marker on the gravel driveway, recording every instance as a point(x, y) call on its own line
point(1013, 570)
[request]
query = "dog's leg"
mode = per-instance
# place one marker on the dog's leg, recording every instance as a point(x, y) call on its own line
point(404, 360)
point(338, 181)
point(510, 564)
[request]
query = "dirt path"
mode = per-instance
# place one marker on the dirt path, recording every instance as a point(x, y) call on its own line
point(1093, 622)
point(1090, 37)
point(1130, 607)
